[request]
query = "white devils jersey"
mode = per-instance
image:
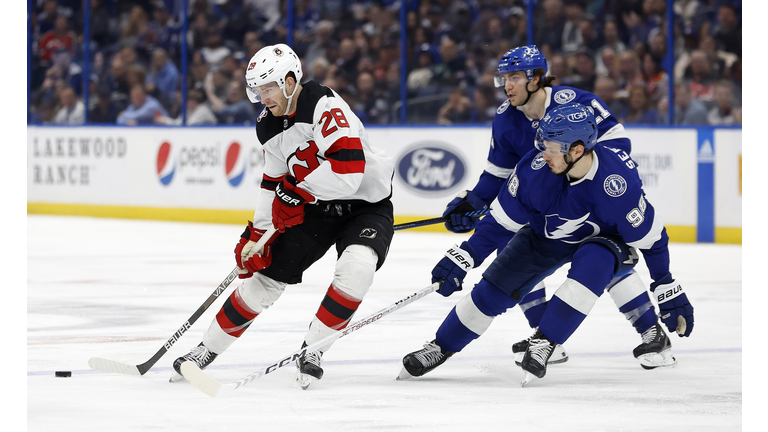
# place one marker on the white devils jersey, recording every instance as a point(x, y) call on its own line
point(325, 147)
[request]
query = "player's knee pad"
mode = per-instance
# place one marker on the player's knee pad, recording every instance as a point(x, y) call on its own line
point(626, 256)
point(259, 292)
point(355, 269)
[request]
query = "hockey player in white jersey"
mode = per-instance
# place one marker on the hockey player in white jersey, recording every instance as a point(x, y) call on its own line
point(323, 185)
point(522, 72)
point(588, 209)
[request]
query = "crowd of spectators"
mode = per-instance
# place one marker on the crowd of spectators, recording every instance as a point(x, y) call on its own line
point(614, 48)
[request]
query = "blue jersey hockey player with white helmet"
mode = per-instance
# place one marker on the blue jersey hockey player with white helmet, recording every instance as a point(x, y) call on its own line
point(568, 201)
point(531, 95)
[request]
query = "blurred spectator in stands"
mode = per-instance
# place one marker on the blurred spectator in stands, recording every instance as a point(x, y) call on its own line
point(319, 47)
point(136, 75)
point(611, 41)
point(163, 32)
point(727, 29)
point(572, 39)
point(60, 37)
point(348, 57)
point(219, 82)
point(639, 108)
point(629, 73)
point(142, 110)
point(234, 21)
point(548, 27)
point(46, 20)
point(656, 79)
point(435, 21)
point(608, 65)
point(484, 109)
point(235, 109)
point(658, 49)
point(199, 27)
point(688, 111)
point(42, 113)
point(131, 57)
point(420, 78)
point(585, 70)
point(198, 113)
point(723, 111)
point(605, 89)
point(72, 110)
point(163, 78)
point(391, 91)
point(370, 103)
point(493, 31)
point(317, 70)
point(460, 20)
point(719, 60)
point(452, 68)
point(592, 40)
point(103, 27)
point(133, 26)
point(215, 51)
point(559, 68)
point(47, 90)
point(266, 17)
point(199, 71)
point(458, 109)
point(70, 72)
point(643, 25)
point(515, 30)
point(701, 77)
point(734, 75)
point(105, 110)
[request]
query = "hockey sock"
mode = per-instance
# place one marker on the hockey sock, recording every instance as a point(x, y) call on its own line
point(534, 304)
point(335, 312)
point(631, 297)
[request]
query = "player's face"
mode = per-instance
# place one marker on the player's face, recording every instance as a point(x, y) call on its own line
point(515, 84)
point(272, 97)
point(554, 157)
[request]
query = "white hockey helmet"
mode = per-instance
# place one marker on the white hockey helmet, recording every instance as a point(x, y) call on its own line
point(271, 64)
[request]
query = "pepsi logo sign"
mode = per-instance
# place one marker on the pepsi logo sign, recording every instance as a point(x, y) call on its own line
point(432, 168)
point(166, 164)
point(234, 164)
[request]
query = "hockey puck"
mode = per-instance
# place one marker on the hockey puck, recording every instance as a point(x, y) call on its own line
point(63, 374)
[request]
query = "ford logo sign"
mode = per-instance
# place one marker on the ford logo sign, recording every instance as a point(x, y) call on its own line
point(432, 168)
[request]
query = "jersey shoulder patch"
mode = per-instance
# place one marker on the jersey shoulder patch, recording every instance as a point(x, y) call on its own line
point(615, 185)
point(503, 107)
point(564, 96)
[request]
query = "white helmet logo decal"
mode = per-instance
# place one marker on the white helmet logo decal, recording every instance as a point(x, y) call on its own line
point(278, 52)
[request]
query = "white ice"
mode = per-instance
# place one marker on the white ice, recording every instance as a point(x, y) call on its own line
point(119, 288)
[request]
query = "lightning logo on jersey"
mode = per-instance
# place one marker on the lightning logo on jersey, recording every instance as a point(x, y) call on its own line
point(577, 230)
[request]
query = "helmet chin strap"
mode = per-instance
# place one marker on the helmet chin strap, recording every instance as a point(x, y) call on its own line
point(290, 98)
point(570, 164)
point(530, 93)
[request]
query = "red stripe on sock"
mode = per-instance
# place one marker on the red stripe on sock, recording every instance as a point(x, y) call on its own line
point(331, 320)
point(343, 298)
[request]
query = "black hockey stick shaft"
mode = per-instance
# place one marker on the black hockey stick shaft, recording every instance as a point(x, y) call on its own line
point(437, 220)
point(141, 369)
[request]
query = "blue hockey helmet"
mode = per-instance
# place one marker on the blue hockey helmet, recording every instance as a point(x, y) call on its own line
point(566, 125)
point(524, 58)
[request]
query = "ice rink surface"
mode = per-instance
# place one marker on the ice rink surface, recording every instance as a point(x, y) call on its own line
point(119, 288)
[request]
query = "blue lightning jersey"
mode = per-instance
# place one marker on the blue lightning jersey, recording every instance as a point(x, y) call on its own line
point(609, 199)
point(513, 133)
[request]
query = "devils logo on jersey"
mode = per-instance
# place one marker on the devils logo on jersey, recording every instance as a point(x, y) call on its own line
point(304, 160)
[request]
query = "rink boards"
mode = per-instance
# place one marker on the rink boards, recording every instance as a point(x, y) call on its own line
point(212, 174)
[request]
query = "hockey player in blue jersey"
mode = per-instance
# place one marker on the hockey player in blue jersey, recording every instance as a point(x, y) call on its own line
point(568, 201)
point(522, 72)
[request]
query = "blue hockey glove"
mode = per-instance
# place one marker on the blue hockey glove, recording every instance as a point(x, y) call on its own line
point(453, 268)
point(465, 202)
point(675, 310)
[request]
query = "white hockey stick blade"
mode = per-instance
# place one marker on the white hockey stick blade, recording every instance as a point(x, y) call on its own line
point(214, 388)
point(105, 365)
point(200, 379)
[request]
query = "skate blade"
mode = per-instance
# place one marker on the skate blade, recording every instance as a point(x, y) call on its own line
point(404, 375)
point(527, 379)
point(304, 380)
point(657, 360)
point(176, 377)
point(552, 360)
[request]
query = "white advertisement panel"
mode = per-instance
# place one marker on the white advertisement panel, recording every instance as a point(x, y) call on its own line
point(728, 175)
point(667, 164)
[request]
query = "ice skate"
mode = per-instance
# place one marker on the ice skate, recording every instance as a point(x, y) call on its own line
point(200, 354)
point(536, 357)
point(308, 368)
point(424, 360)
point(656, 349)
point(558, 356)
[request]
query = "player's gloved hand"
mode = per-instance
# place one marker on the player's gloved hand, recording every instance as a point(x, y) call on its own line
point(288, 206)
point(465, 202)
point(675, 309)
point(249, 260)
point(453, 268)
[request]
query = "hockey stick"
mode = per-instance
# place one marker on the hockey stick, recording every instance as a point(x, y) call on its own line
point(437, 220)
point(106, 365)
point(214, 388)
